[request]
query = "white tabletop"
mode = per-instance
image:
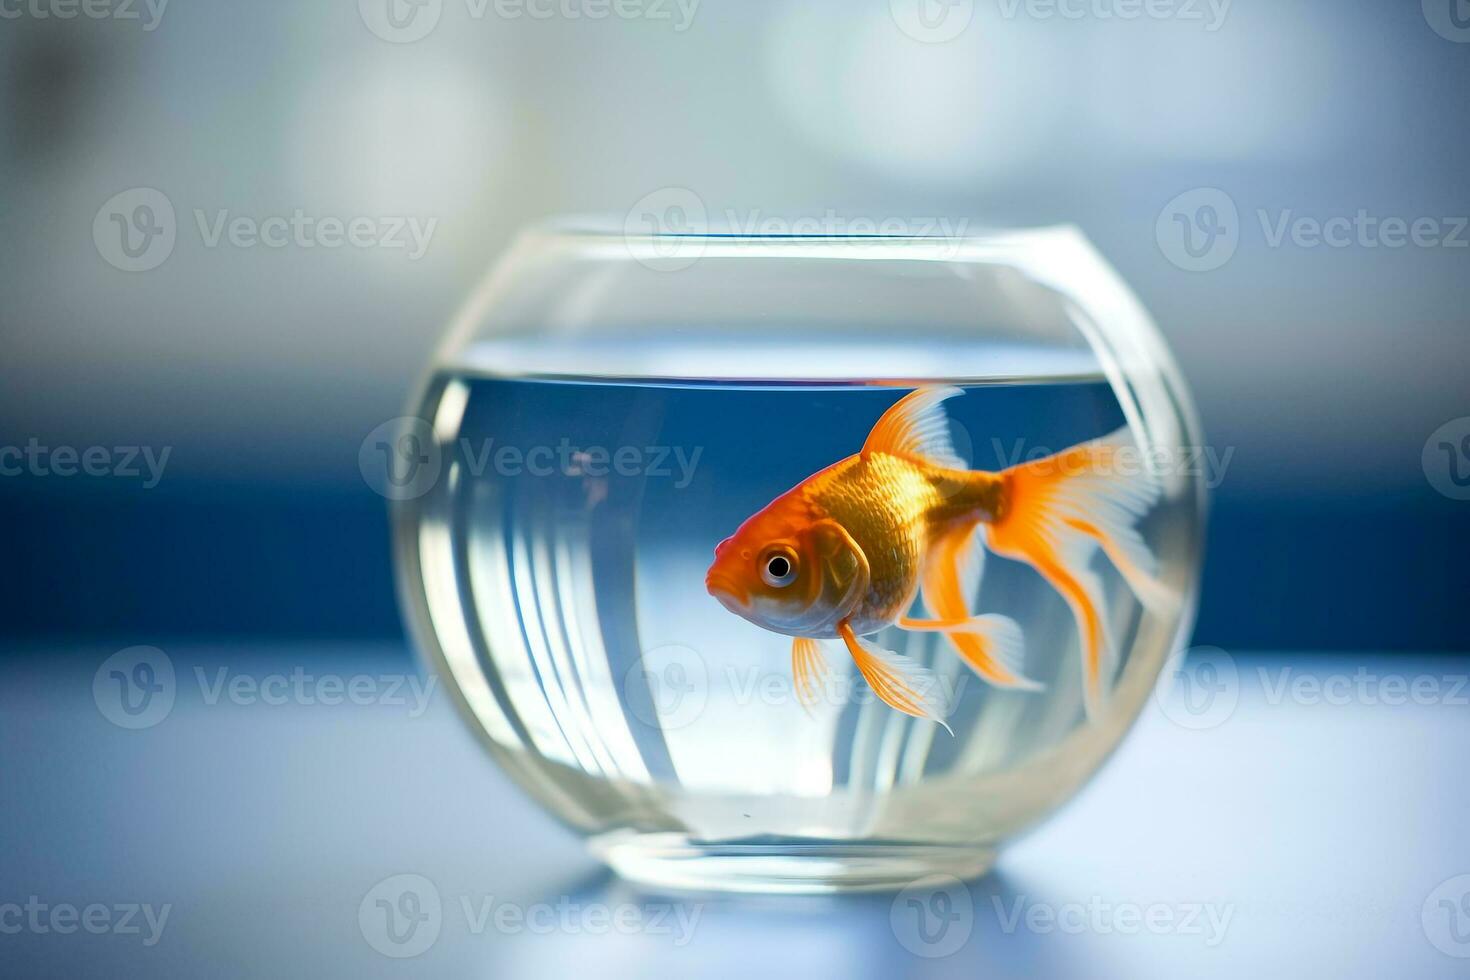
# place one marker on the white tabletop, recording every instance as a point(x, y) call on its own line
point(1309, 827)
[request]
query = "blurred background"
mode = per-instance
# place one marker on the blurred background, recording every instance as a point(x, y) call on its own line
point(1322, 367)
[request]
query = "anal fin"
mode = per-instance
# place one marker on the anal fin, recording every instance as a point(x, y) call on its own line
point(993, 646)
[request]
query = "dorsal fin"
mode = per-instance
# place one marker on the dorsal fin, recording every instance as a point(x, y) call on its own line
point(916, 428)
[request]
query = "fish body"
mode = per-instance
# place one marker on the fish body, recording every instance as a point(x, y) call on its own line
point(894, 509)
point(846, 552)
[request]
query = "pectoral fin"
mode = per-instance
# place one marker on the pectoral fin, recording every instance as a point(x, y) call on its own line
point(808, 668)
point(901, 682)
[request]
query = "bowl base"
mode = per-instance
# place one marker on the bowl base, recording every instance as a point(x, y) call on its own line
point(671, 860)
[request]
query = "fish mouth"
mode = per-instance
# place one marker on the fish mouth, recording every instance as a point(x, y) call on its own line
point(730, 593)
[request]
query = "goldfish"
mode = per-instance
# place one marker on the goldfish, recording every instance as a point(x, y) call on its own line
point(846, 552)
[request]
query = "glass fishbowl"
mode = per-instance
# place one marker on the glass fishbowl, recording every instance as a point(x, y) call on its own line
point(714, 616)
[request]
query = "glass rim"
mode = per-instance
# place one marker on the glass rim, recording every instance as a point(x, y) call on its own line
point(602, 226)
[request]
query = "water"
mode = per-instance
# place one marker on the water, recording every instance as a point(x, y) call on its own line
point(556, 571)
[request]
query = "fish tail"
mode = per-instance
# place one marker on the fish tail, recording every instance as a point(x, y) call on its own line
point(1056, 512)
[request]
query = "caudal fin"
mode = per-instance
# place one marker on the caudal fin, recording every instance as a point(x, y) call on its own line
point(1059, 511)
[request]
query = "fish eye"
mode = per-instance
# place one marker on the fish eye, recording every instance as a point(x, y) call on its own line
point(778, 566)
